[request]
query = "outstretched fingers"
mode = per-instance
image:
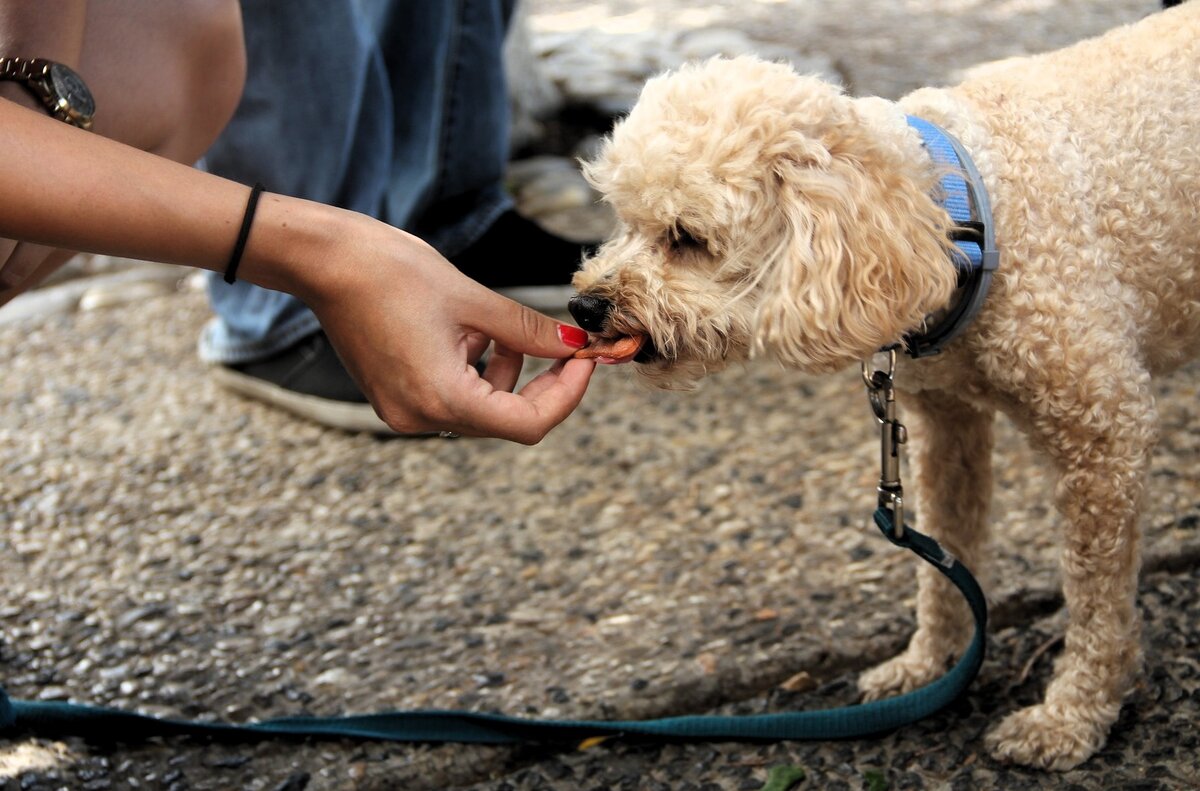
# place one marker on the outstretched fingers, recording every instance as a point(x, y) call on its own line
point(503, 368)
point(520, 328)
point(527, 416)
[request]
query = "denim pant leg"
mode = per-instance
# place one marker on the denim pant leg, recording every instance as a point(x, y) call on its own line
point(451, 116)
point(394, 108)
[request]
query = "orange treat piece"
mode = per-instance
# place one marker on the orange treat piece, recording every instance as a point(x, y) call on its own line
point(621, 348)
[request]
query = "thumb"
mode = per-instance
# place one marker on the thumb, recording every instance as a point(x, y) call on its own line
point(523, 329)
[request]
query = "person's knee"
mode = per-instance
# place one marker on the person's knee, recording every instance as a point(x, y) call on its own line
point(167, 77)
point(215, 73)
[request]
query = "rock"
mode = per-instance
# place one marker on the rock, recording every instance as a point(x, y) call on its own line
point(296, 781)
point(113, 294)
point(334, 677)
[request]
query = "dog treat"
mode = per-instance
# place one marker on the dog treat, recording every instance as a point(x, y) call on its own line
point(622, 348)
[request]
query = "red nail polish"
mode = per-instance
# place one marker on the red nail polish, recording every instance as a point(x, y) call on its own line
point(572, 336)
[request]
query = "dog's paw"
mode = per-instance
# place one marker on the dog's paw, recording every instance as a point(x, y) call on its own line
point(1045, 738)
point(898, 675)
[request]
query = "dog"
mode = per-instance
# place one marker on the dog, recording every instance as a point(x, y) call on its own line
point(763, 213)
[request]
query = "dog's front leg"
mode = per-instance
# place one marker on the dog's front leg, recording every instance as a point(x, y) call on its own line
point(952, 444)
point(1103, 451)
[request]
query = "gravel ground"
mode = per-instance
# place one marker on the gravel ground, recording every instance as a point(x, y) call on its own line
point(173, 549)
point(168, 547)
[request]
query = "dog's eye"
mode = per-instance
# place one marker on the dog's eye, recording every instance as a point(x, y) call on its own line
point(681, 239)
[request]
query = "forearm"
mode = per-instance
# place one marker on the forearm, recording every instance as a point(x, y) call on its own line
point(408, 325)
point(63, 187)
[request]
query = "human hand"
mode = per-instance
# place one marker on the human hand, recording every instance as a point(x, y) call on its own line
point(410, 328)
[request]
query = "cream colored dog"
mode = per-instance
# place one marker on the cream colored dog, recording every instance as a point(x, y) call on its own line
point(765, 213)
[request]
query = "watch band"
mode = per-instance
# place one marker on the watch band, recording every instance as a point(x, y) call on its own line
point(38, 76)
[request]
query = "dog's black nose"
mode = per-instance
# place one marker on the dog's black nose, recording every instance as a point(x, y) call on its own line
point(589, 312)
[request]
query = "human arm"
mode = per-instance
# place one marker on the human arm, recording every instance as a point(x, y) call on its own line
point(53, 30)
point(406, 323)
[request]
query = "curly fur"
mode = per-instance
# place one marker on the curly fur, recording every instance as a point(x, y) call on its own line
point(762, 212)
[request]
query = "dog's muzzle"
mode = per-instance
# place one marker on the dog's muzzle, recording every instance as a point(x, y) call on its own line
point(590, 312)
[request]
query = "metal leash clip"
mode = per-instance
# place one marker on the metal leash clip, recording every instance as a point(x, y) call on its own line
point(892, 434)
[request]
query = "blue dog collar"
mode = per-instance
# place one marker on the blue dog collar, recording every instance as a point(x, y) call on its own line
point(976, 257)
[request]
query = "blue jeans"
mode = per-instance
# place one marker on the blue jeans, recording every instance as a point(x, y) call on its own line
point(393, 108)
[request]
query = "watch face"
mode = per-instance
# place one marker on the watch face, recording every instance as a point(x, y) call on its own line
point(71, 88)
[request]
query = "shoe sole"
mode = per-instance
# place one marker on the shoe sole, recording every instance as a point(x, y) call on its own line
point(360, 418)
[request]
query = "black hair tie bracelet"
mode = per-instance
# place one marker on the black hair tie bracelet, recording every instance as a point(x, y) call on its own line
point(236, 258)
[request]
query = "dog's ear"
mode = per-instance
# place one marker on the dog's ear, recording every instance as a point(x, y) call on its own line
point(861, 257)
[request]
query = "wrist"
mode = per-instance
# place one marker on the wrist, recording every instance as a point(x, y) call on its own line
point(293, 245)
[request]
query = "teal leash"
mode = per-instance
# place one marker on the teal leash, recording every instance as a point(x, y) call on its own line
point(869, 719)
point(42, 718)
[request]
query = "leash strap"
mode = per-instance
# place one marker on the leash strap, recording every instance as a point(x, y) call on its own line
point(868, 719)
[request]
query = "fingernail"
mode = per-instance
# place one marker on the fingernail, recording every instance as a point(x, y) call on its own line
point(572, 336)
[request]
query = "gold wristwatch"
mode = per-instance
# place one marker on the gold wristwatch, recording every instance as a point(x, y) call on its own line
point(58, 87)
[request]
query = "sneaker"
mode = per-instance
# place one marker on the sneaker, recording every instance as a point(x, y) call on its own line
point(308, 380)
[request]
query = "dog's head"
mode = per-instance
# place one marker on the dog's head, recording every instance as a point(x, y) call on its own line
point(761, 211)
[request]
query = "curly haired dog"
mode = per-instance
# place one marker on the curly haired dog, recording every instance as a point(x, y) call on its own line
point(764, 213)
